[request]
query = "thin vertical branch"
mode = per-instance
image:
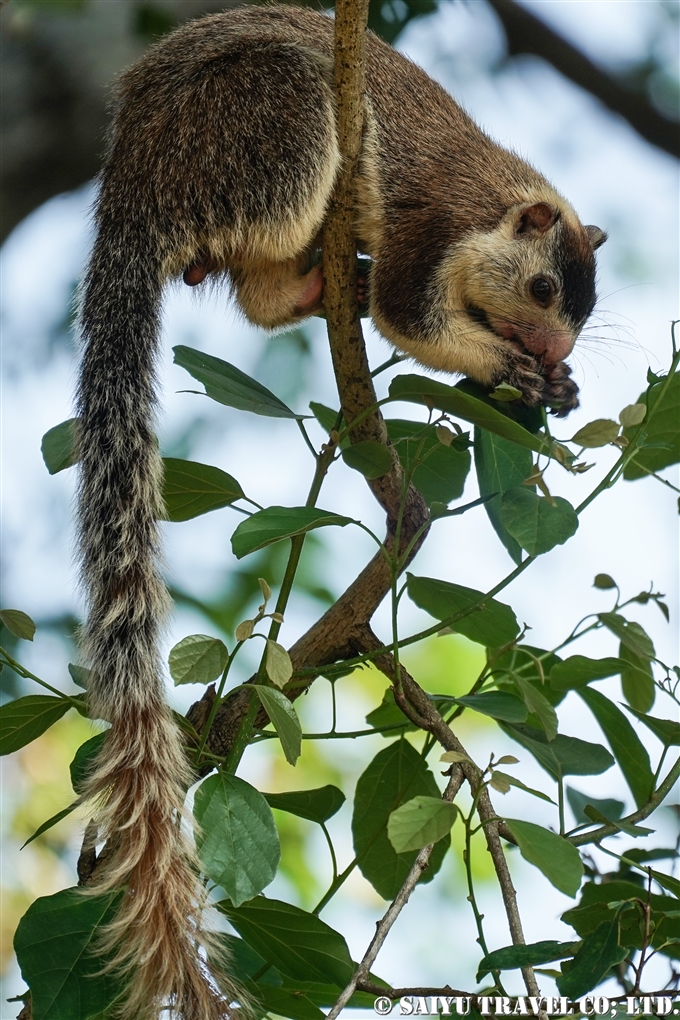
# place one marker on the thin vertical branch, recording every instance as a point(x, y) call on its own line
point(395, 908)
point(416, 704)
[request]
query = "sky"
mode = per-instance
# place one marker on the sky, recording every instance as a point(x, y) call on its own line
point(613, 179)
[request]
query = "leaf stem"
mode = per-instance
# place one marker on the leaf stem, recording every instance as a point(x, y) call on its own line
point(217, 701)
point(305, 436)
point(394, 360)
point(343, 735)
point(27, 675)
point(331, 849)
point(560, 803)
point(244, 734)
point(335, 885)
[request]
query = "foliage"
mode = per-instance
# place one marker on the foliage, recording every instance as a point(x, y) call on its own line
point(397, 806)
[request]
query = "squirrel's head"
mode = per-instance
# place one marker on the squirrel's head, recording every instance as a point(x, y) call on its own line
point(531, 279)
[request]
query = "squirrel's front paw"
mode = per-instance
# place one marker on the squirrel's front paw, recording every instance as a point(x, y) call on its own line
point(544, 385)
point(526, 375)
point(563, 390)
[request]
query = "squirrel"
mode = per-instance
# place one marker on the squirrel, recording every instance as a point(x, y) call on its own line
point(221, 161)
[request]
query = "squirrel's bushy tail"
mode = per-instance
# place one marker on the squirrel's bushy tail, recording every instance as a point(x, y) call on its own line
point(139, 780)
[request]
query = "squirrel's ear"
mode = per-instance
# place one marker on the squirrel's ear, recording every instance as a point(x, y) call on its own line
point(535, 219)
point(596, 236)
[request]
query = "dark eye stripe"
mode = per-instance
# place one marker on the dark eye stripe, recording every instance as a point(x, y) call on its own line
point(575, 264)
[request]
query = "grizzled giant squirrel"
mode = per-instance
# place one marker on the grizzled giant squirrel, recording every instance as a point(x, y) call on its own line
point(222, 159)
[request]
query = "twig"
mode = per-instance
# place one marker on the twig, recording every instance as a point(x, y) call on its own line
point(491, 831)
point(395, 908)
point(397, 993)
point(661, 792)
point(432, 721)
point(647, 911)
point(528, 34)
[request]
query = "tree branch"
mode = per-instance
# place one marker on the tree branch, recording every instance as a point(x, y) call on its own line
point(528, 34)
point(397, 993)
point(337, 634)
point(659, 795)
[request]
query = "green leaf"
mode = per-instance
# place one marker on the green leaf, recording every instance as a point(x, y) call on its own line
point(419, 822)
point(632, 414)
point(512, 957)
point(593, 910)
point(23, 720)
point(637, 680)
point(667, 730)
point(513, 781)
point(369, 457)
point(83, 761)
point(283, 1002)
point(598, 954)
point(604, 581)
point(191, 489)
point(496, 704)
point(316, 805)
point(419, 389)
point(327, 418)
point(64, 813)
point(19, 624)
point(438, 471)
point(500, 465)
point(55, 945)
point(59, 446)
point(324, 995)
point(577, 801)
point(596, 433)
point(658, 853)
point(621, 826)
point(244, 962)
point(533, 665)
point(563, 756)
point(279, 666)
point(631, 634)
point(492, 624)
point(667, 882)
point(388, 713)
point(553, 855)
point(284, 719)
point(396, 775)
point(578, 671)
point(628, 750)
point(279, 522)
point(228, 385)
point(297, 943)
point(237, 842)
point(530, 418)
point(80, 675)
point(662, 427)
point(538, 524)
point(537, 703)
point(504, 392)
point(197, 659)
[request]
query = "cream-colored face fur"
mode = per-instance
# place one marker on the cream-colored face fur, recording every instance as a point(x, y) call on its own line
point(488, 286)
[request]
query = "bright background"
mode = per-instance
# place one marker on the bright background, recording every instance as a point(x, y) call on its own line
point(614, 179)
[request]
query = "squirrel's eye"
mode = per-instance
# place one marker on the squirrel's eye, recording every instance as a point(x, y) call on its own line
point(542, 289)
